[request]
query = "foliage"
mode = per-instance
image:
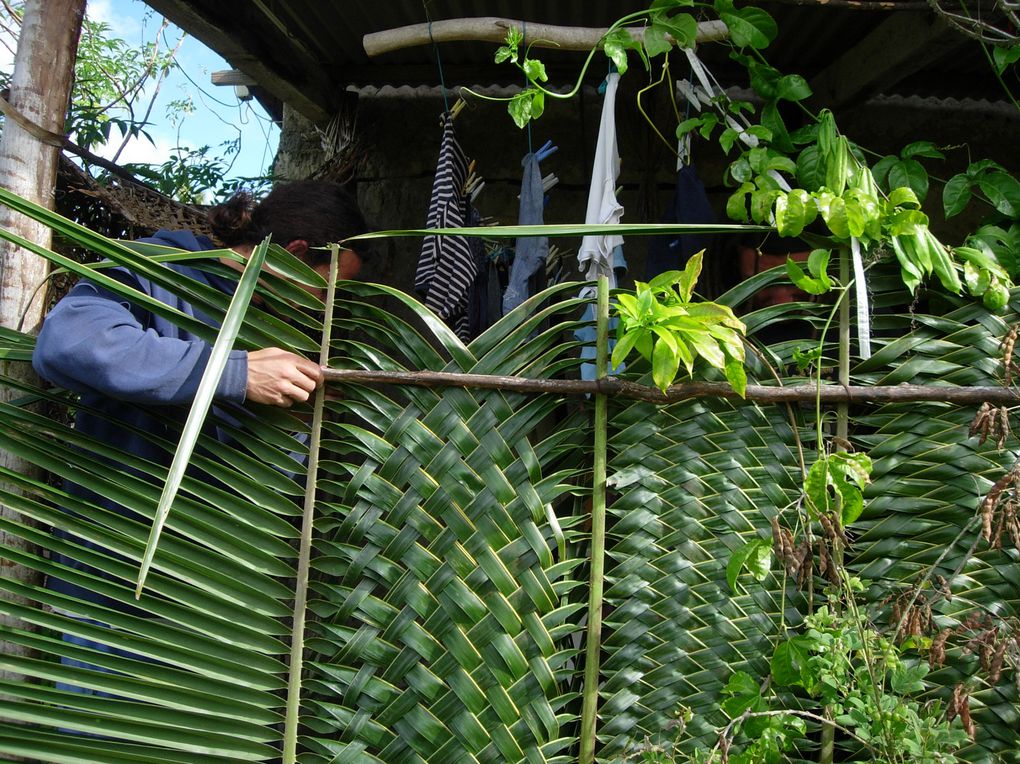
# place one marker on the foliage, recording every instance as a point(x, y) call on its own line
point(667, 328)
point(115, 89)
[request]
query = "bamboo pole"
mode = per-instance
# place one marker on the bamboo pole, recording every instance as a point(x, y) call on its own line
point(297, 639)
point(631, 390)
point(494, 29)
point(593, 641)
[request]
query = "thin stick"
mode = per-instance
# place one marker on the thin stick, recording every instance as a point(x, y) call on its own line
point(297, 643)
point(593, 644)
point(619, 388)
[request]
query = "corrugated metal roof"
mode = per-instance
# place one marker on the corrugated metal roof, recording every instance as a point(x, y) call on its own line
point(309, 51)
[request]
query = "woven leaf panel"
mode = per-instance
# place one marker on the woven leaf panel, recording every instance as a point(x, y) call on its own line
point(192, 671)
point(444, 630)
point(929, 479)
point(695, 480)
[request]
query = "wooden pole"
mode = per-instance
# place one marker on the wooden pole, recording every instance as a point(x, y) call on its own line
point(40, 90)
point(494, 29)
point(962, 396)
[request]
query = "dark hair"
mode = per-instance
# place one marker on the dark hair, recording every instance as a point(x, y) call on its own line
point(318, 212)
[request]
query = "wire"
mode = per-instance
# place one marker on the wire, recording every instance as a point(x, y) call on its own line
point(439, 61)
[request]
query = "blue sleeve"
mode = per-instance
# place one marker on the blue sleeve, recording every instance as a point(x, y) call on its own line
point(92, 342)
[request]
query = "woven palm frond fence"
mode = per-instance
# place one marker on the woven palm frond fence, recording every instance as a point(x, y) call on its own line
point(446, 616)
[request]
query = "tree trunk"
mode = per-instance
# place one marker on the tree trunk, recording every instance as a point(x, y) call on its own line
point(40, 88)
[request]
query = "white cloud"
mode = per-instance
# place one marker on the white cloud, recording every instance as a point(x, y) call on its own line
point(140, 150)
point(121, 19)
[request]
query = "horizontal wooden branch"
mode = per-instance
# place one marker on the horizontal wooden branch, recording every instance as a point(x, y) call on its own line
point(619, 388)
point(493, 29)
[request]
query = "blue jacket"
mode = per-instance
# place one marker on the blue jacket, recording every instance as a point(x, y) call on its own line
point(117, 356)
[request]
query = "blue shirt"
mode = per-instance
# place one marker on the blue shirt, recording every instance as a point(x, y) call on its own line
point(117, 355)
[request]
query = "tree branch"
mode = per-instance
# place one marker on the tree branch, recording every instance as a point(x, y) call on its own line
point(624, 389)
point(493, 29)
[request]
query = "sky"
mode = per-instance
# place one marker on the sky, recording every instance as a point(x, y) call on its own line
point(218, 114)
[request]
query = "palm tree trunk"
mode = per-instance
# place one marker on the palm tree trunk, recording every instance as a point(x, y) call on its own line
point(40, 87)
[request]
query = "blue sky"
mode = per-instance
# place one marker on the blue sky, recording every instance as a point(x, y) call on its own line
point(218, 115)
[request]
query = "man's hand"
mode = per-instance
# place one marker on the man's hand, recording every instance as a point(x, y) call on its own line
point(280, 378)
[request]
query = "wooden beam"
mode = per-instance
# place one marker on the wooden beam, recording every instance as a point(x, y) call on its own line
point(900, 46)
point(494, 29)
point(311, 93)
point(232, 77)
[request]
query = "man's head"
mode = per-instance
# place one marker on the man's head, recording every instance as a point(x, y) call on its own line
point(302, 217)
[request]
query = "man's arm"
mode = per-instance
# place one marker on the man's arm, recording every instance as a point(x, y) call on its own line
point(92, 342)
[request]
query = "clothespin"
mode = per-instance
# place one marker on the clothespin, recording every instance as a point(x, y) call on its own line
point(605, 82)
point(476, 191)
point(547, 149)
point(457, 109)
point(549, 181)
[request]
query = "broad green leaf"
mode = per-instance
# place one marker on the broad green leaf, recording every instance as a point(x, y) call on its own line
point(736, 204)
point(689, 276)
point(976, 278)
point(904, 196)
point(736, 564)
point(624, 344)
point(790, 664)
point(1003, 191)
point(520, 107)
point(908, 680)
point(736, 375)
point(804, 282)
point(921, 149)
point(534, 70)
point(816, 487)
point(615, 45)
point(810, 168)
point(503, 53)
point(881, 169)
point(909, 172)
point(683, 28)
point(727, 138)
point(1004, 56)
point(833, 211)
point(687, 126)
point(956, 195)
point(655, 40)
point(665, 360)
point(996, 297)
point(793, 87)
point(750, 27)
point(740, 170)
point(764, 78)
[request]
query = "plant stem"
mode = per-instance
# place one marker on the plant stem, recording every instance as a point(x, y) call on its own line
point(297, 643)
point(593, 644)
point(843, 409)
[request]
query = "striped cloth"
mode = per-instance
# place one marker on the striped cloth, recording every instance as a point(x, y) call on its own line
point(446, 267)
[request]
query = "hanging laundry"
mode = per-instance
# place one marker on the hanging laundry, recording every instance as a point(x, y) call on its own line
point(595, 257)
point(602, 254)
point(689, 205)
point(447, 266)
point(531, 251)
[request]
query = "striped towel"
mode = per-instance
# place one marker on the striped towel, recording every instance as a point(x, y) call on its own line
point(446, 267)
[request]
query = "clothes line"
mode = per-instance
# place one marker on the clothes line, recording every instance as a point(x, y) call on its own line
point(625, 389)
point(494, 29)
